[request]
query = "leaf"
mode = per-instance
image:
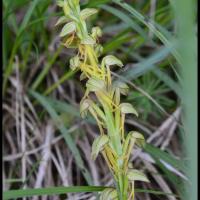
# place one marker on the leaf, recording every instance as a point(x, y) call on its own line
point(108, 194)
point(125, 18)
point(168, 81)
point(95, 84)
point(156, 192)
point(98, 145)
point(119, 40)
point(23, 26)
point(136, 175)
point(146, 64)
point(62, 20)
point(46, 69)
point(151, 27)
point(127, 108)
point(162, 155)
point(87, 12)
point(13, 194)
point(68, 29)
point(112, 60)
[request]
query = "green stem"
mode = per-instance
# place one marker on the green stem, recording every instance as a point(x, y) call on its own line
point(122, 186)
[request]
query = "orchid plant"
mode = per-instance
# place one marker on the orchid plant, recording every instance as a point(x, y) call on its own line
point(102, 99)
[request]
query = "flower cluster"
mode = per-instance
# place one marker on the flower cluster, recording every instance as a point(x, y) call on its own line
point(109, 113)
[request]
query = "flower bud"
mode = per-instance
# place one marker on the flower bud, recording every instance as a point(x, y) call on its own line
point(74, 62)
point(96, 32)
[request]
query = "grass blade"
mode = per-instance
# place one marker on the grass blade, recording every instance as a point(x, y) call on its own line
point(42, 75)
point(168, 81)
point(146, 64)
point(68, 139)
point(64, 190)
point(50, 191)
point(159, 154)
point(124, 18)
point(25, 22)
point(151, 27)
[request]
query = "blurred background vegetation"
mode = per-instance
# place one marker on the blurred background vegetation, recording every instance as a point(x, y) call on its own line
point(46, 143)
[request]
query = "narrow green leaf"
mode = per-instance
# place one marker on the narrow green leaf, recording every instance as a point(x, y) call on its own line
point(125, 18)
point(146, 64)
point(68, 139)
point(159, 154)
point(64, 190)
point(142, 19)
point(168, 81)
point(50, 191)
point(45, 70)
point(28, 15)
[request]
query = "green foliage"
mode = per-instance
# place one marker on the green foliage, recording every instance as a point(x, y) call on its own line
point(145, 41)
point(157, 90)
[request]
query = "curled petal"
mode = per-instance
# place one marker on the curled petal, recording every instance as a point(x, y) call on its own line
point(123, 87)
point(127, 108)
point(109, 194)
point(84, 107)
point(112, 60)
point(136, 175)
